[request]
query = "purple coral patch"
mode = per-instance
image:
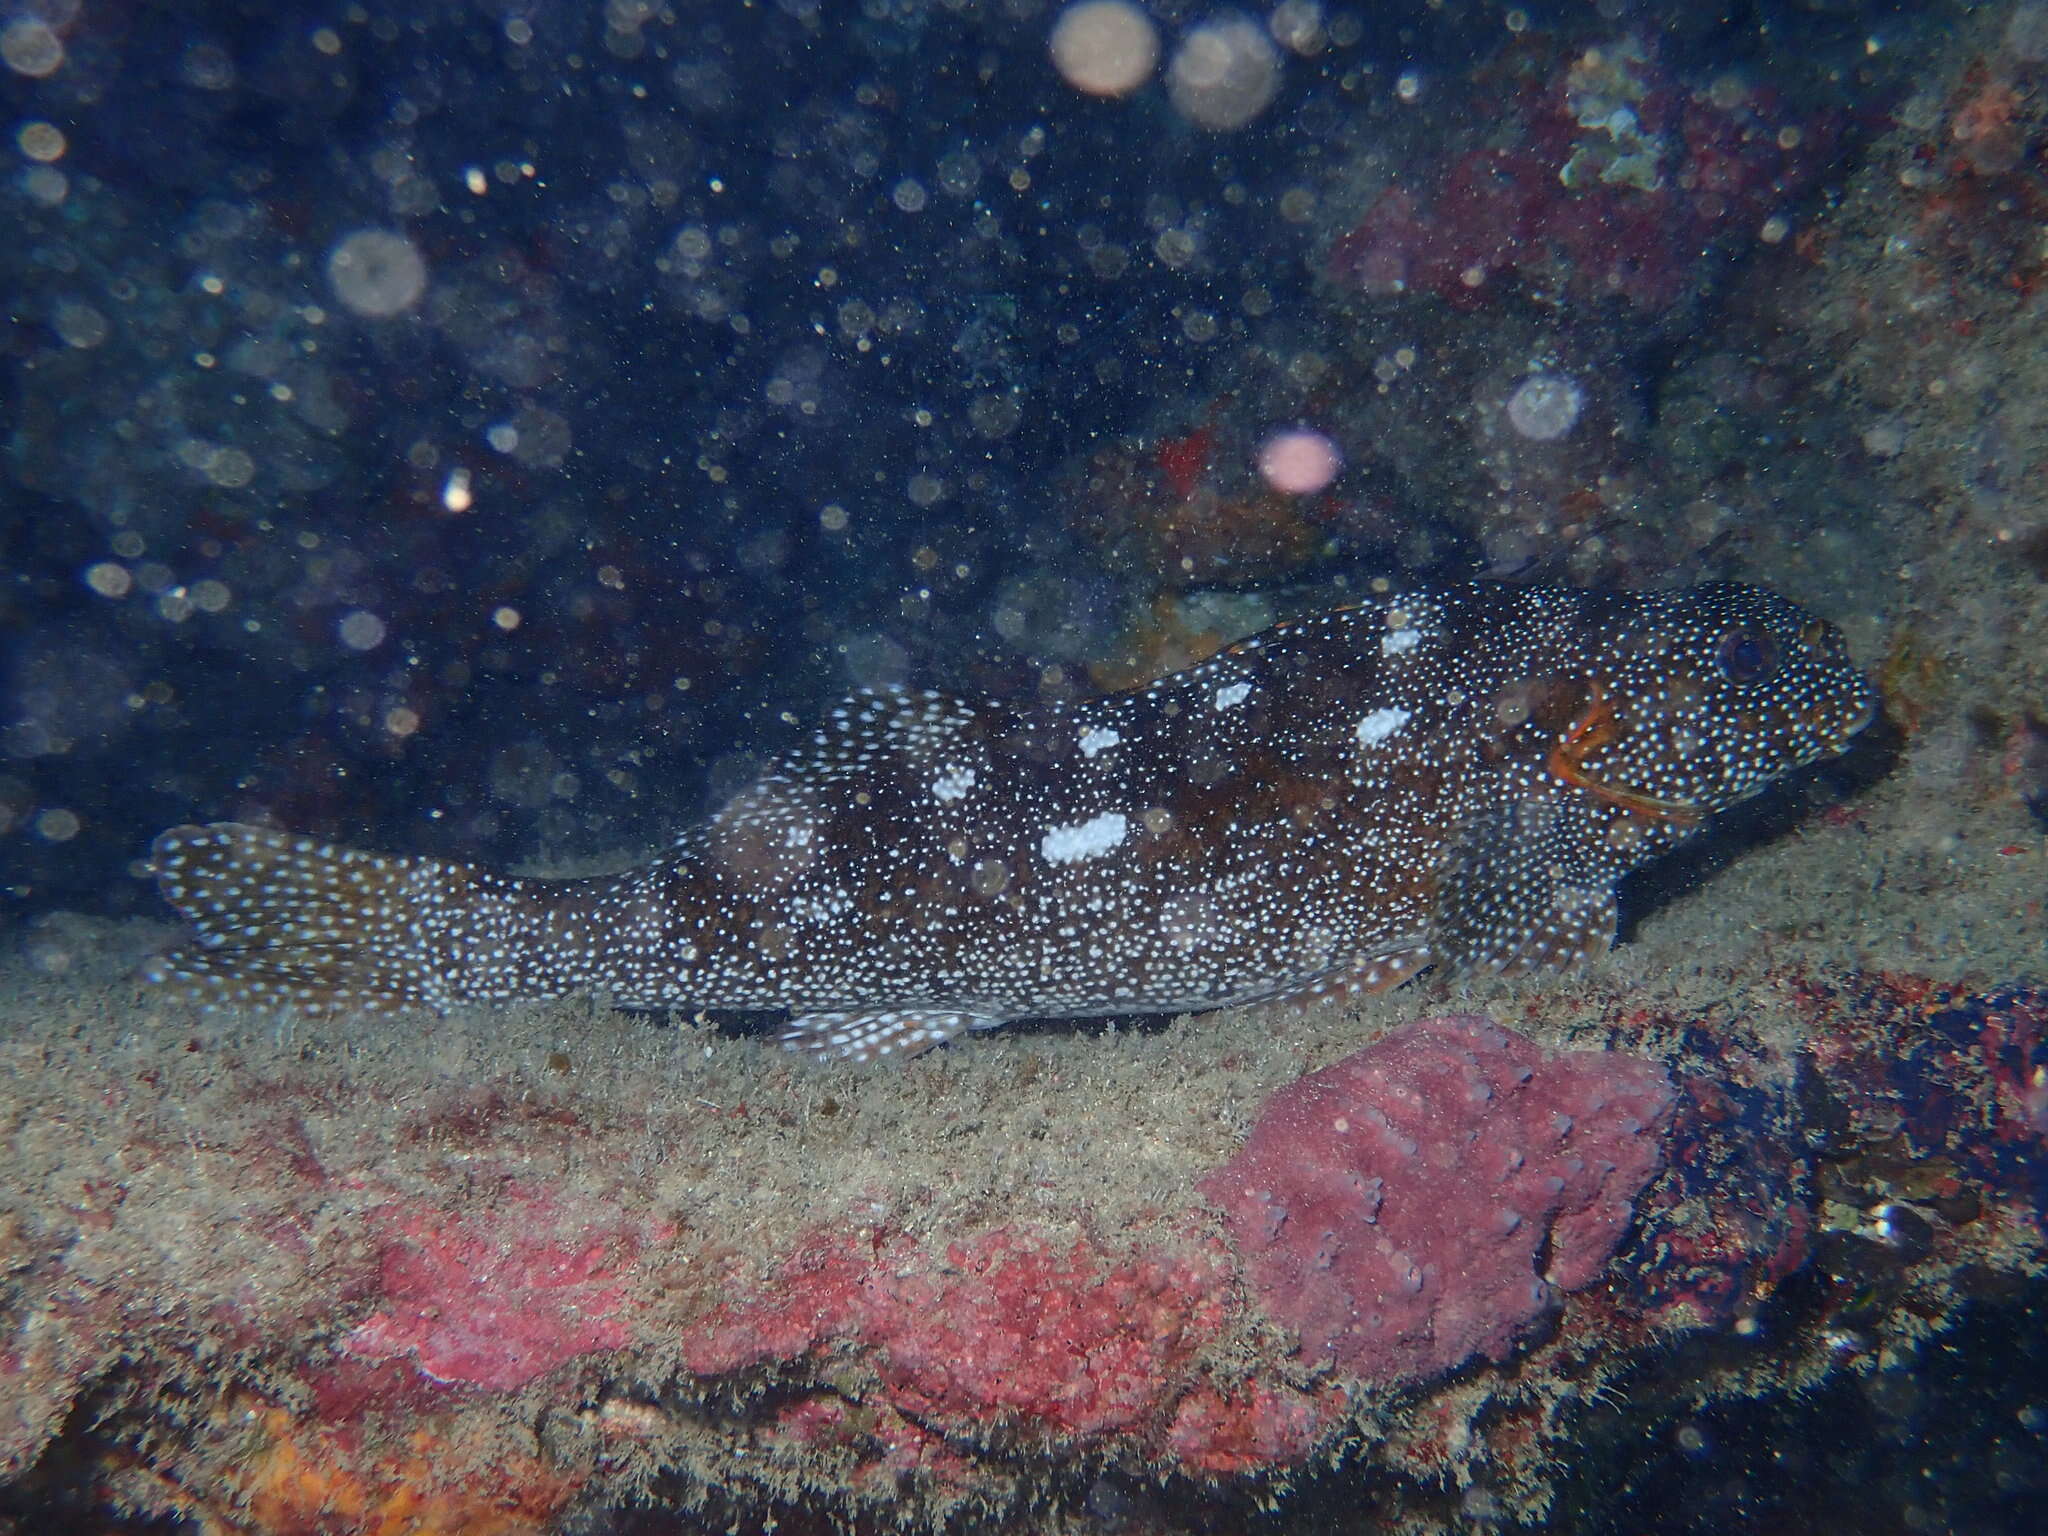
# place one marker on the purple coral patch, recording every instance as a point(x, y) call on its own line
point(1424, 1200)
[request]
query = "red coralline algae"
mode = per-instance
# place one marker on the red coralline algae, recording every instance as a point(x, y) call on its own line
point(1253, 1429)
point(1006, 1325)
point(494, 1301)
point(1393, 1209)
point(1612, 183)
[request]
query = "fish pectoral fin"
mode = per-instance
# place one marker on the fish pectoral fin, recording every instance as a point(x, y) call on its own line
point(866, 1034)
point(1580, 926)
point(1523, 891)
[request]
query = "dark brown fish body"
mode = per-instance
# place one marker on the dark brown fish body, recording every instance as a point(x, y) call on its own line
point(1456, 776)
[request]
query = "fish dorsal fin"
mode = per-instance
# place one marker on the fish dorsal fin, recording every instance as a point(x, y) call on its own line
point(877, 741)
point(877, 726)
point(1524, 889)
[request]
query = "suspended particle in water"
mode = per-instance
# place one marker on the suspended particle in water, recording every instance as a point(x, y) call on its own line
point(1225, 73)
point(1297, 25)
point(1545, 406)
point(361, 630)
point(40, 141)
point(208, 67)
point(29, 47)
point(1104, 47)
point(377, 272)
point(1299, 462)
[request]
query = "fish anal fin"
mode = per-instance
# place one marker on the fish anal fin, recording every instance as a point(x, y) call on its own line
point(1368, 973)
point(1386, 972)
point(877, 1034)
point(1579, 926)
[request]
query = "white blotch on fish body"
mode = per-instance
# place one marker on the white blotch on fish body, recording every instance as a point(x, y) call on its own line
point(1098, 738)
point(1232, 696)
point(1089, 839)
point(1379, 725)
point(953, 784)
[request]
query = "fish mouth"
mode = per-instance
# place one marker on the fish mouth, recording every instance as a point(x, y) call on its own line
point(1836, 726)
point(1594, 729)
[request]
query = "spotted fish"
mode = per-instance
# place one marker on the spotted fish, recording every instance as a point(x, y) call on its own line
point(1455, 777)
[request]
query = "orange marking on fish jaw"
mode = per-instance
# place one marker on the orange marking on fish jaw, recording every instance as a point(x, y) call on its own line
point(1594, 729)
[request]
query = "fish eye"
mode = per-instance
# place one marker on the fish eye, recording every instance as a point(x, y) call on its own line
point(1745, 656)
point(1822, 636)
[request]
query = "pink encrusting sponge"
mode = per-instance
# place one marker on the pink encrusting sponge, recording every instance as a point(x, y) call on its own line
point(1424, 1200)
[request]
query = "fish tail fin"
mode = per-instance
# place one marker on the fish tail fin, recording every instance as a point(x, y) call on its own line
point(287, 922)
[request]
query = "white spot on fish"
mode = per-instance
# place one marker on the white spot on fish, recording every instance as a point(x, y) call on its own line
point(1235, 694)
point(1379, 725)
point(953, 784)
point(1400, 640)
point(1089, 839)
point(1098, 738)
point(823, 906)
